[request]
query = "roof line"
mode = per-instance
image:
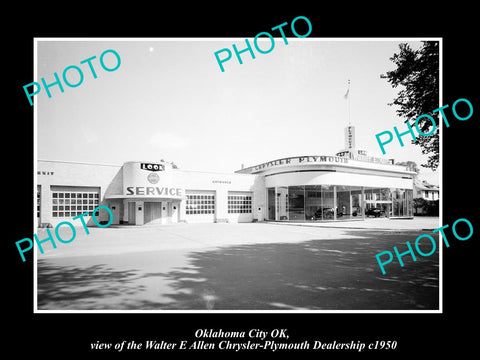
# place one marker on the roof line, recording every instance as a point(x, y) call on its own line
point(77, 162)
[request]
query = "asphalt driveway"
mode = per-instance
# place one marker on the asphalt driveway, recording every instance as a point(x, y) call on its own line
point(235, 267)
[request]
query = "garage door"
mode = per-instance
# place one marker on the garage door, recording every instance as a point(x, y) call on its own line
point(70, 201)
point(200, 206)
point(240, 206)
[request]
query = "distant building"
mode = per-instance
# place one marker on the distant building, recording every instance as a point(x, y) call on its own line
point(425, 198)
point(424, 190)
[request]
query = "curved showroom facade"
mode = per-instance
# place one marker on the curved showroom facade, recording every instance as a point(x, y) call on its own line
point(326, 188)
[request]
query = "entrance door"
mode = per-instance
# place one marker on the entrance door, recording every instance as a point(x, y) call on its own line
point(271, 203)
point(173, 212)
point(115, 209)
point(153, 211)
point(131, 213)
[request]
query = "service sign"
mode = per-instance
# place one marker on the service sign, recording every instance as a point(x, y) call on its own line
point(150, 180)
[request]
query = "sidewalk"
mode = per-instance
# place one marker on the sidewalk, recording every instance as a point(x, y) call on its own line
point(423, 223)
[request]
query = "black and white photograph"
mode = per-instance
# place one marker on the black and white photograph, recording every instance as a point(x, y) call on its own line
point(237, 181)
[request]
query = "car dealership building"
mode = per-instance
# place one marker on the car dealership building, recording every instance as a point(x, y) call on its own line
point(345, 186)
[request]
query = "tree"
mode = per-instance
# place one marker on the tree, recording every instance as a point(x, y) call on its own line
point(412, 165)
point(419, 203)
point(426, 207)
point(418, 73)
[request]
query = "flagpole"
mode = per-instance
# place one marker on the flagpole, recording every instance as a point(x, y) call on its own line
point(348, 102)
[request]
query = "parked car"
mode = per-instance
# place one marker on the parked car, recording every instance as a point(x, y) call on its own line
point(377, 212)
point(327, 214)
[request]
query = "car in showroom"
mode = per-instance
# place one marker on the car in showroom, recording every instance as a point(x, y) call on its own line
point(376, 212)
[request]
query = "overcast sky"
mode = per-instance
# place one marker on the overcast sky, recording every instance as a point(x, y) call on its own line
point(169, 100)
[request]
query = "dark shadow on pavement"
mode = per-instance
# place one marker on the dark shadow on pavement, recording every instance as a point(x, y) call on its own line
point(71, 287)
point(313, 275)
point(336, 274)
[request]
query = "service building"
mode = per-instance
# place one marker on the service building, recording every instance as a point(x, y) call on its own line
point(345, 186)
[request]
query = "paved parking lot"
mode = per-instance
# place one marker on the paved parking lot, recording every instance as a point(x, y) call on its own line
point(254, 266)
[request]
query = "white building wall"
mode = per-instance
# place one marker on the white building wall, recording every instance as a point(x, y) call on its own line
point(59, 173)
point(221, 202)
point(197, 182)
point(259, 206)
point(337, 178)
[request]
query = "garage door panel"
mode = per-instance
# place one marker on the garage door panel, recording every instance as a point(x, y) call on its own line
point(200, 206)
